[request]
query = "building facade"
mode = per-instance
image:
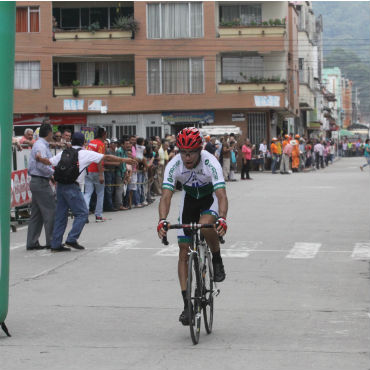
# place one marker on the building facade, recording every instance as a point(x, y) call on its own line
point(152, 68)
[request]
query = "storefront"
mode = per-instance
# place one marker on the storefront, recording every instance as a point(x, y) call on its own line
point(174, 122)
point(117, 125)
point(59, 121)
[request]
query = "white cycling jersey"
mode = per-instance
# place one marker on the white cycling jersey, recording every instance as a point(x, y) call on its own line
point(198, 182)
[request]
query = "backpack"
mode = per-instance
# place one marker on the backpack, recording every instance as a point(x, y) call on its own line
point(67, 170)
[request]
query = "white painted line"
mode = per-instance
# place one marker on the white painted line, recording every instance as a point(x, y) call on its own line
point(304, 250)
point(17, 246)
point(171, 251)
point(229, 253)
point(368, 314)
point(361, 251)
point(117, 245)
point(245, 245)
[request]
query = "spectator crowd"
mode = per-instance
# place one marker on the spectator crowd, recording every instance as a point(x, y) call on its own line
point(120, 184)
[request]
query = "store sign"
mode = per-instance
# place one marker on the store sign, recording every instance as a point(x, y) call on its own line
point(314, 125)
point(59, 119)
point(97, 106)
point(267, 101)
point(73, 104)
point(238, 117)
point(189, 117)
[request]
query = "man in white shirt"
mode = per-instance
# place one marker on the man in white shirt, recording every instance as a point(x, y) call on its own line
point(69, 195)
point(319, 154)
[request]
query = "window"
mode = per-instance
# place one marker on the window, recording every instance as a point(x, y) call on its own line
point(27, 19)
point(175, 76)
point(81, 18)
point(301, 70)
point(175, 20)
point(257, 127)
point(27, 75)
point(245, 14)
point(242, 69)
point(125, 130)
point(153, 131)
point(94, 73)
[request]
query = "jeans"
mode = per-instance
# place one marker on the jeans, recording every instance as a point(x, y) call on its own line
point(109, 178)
point(91, 183)
point(140, 186)
point(69, 196)
point(274, 162)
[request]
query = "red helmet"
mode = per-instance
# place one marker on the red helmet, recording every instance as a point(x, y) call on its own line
point(189, 138)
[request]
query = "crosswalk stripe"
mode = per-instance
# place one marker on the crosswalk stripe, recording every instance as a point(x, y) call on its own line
point(304, 250)
point(361, 251)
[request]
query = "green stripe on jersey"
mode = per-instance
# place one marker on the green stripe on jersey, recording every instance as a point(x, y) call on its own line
point(219, 185)
point(200, 192)
point(168, 186)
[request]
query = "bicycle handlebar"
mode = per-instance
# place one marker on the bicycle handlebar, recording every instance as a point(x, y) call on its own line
point(191, 226)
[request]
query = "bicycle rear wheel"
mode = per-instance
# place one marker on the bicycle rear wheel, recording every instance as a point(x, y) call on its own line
point(207, 296)
point(194, 297)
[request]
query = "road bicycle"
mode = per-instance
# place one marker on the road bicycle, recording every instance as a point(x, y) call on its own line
point(201, 289)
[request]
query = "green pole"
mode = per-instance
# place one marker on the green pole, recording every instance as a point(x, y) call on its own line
point(7, 45)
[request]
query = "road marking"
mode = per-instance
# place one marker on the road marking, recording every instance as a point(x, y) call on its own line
point(304, 250)
point(171, 251)
point(17, 246)
point(117, 245)
point(361, 251)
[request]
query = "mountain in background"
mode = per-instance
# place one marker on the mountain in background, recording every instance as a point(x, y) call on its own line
point(346, 39)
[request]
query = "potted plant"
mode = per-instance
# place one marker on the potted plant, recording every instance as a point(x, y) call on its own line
point(123, 83)
point(126, 24)
point(95, 26)
point(75, 91)
point(101, 83)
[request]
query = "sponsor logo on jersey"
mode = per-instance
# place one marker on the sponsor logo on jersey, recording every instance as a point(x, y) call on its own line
point(172, 170)
point(214, 172)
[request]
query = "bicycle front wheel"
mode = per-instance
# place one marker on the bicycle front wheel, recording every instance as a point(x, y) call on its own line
point(193, 293)
point(207, 296)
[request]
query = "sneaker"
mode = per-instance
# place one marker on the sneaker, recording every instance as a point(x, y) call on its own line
point(100, 219)
point(145, 203)
point(184, 317)
point(361, 168)
point(218, 272)
point(75, 245)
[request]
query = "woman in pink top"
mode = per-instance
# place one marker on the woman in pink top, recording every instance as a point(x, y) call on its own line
point(246, 159)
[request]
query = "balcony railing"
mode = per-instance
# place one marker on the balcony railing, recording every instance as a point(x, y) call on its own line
point(87, 35)
point(268, 86)
point(251, 31)
point(82, 91)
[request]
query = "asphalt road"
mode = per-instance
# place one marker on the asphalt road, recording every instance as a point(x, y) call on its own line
point(296, 296)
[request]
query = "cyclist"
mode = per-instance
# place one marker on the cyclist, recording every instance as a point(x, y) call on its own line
point(204, 200)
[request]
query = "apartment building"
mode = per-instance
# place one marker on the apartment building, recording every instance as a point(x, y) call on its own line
point(347, 102)
point(332, 80)
point(151, 68)
point(310, 65)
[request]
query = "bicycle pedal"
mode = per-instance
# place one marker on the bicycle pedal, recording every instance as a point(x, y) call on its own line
point(215, 292)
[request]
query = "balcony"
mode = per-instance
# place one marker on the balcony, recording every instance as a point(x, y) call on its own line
point(252, 20)
point(251, 72)
point(77, 21)
point(80, 76)
point(93, 91)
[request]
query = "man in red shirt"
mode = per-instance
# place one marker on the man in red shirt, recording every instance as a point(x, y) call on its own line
point(94, 179)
